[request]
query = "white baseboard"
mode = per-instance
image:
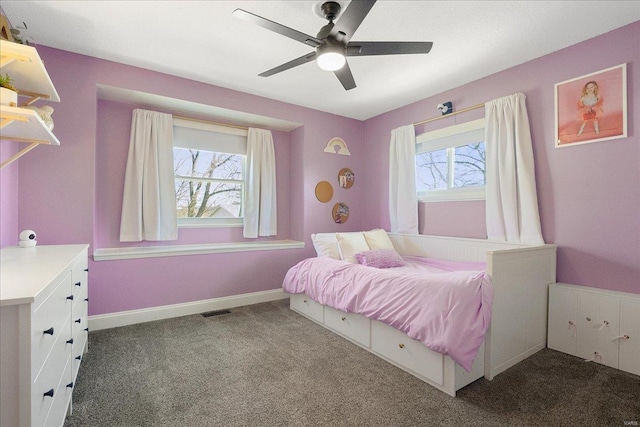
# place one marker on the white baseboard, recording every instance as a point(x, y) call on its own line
point(124, 318)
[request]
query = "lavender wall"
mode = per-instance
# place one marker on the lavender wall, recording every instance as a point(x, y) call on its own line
point(9, 195)
point(589, 195)
point(72, 193)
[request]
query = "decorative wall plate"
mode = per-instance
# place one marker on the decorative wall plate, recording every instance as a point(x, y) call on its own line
point(346, 178)
point(324, 191)
point(340, 213)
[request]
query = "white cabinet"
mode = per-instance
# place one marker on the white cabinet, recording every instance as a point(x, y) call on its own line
point(595, 324)
point(43, 316)
point(28, 74)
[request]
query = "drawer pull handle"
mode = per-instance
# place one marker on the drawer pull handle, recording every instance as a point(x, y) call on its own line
point(79, 357)
point(619, 337)
point(70, 297)
point(78, 320)
point(48, 331)
point(304, 301)
point(588, 319)
point(344, 318)
point(70, 341)
point(49, 393)
point(70, 385)
point(86, 269)
point(401, 345)
point(79, 284)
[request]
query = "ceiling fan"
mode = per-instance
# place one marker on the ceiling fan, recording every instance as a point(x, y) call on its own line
point(332, 44)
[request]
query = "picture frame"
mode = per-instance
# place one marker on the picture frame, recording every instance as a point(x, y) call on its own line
point(591, 108)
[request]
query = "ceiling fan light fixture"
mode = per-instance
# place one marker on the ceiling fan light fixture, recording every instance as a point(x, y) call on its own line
point(330, 58)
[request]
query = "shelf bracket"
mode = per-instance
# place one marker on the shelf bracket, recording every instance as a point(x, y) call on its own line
point(19, 154)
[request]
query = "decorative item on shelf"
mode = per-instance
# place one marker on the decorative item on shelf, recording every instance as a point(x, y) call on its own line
point(337, 146)
point(8, 93)
point(340, 213)
point(5, 29)
point(27, 239)
point(446, 108)
point(346, 178)
point(45, 114)
point(324, 191)
point(20, 37)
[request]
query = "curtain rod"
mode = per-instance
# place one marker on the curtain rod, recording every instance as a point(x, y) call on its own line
point(473, 107)
point(211, 122)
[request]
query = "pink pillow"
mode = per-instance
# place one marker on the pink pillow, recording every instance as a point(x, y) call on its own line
point(380, 258)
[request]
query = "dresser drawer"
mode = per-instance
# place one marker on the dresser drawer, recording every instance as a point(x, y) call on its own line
point(61, 399)
point(50, 316)
point(307, 307)
point(50, 376)
point(79, 278)
point(350, 325)
point(406, 352)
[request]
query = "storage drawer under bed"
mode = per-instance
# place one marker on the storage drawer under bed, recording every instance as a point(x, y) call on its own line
point(307, 307)
point(350, 325)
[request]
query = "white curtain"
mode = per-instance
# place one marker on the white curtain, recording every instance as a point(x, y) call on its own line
point(149, 199)
point(403, 202)
point(511, 199)
point(260, 208)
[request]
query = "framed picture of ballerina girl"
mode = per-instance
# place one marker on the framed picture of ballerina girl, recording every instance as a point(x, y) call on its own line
point(592, 107)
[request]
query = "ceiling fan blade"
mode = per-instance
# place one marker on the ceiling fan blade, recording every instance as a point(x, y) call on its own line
point(387, 48)
point(345, 77)
point(278, 28)
point(294, 63)
point(325, 31)
point(352, 17)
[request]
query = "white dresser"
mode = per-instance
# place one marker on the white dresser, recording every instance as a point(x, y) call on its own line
point(43, 331)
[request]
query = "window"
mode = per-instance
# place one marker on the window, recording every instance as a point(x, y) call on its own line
point(450, 163)
point(209, 163)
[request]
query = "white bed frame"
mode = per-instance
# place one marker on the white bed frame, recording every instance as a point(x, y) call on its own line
point(520, 276)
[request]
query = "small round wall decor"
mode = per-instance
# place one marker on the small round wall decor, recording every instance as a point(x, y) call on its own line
point(324, 191)
point(340, 213)
point(346, 178)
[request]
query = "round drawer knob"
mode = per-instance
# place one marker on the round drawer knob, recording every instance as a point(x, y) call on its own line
point(70, 297)
point(77, 320)
point(70, 341)
point(79, 357)
point(401, 345)
point(48, 331)
point(344, 318)
point(49, 393)
point(70, 385)
point(79, 284)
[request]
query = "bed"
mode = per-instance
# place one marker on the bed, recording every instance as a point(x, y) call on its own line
point(505, 321)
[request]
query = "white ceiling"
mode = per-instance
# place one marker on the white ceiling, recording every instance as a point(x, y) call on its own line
point(201, 40)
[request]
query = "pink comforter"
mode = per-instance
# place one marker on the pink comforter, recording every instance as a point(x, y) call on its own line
point(445, 305)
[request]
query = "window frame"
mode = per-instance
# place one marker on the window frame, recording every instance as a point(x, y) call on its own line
point(207, 222)
point(451, 193)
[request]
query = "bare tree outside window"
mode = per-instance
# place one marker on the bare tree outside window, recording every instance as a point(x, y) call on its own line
point(449, 168)
point(208, 184)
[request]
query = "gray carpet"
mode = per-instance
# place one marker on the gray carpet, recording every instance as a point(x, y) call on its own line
point(265, 365)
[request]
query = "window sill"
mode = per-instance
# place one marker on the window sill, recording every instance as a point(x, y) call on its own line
point(110, 254)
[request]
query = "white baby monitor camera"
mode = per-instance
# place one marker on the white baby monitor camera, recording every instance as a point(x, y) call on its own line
point(27, 239)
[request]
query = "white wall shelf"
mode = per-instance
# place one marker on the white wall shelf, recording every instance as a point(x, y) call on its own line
point(28, 74)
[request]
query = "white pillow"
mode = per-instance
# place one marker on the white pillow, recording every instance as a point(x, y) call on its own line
point(326, 244)
point(350, 244)
point(378, 239)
